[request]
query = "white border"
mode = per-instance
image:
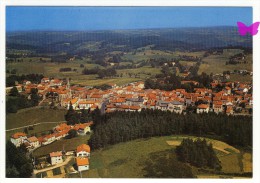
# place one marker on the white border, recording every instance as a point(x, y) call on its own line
point(228, 3)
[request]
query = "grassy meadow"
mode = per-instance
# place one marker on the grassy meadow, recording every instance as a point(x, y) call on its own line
point(32, 116)
point(113, 161)
point(217, 64)
point(211, 64)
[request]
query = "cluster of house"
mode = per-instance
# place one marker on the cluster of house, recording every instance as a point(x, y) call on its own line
point(133, 97)
point(60, 131)
point(82, 157)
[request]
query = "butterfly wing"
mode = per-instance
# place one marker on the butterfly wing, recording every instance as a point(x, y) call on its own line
point(242, 28)
point(254, 28)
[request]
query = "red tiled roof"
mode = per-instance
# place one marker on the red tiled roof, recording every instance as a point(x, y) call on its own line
point(18, 135)
point(82, 161)
point(33, 139)
point(55, 154)
point(203, 106)
point(83, 147)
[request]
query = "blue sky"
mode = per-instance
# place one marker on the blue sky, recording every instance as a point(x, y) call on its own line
point(107, 18)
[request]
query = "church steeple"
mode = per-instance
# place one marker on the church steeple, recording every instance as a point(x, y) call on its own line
point(68, 87)
point(68, 84)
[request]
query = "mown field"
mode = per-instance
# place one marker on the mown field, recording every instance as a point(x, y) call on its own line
point(142, 54)
point(217, 64)
point(126, 160)
point(32, 116)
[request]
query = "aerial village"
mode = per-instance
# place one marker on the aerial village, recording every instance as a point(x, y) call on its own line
point(234, 99)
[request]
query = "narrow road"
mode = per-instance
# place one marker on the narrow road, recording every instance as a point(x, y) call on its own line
point(55, 166)
point(34, 125)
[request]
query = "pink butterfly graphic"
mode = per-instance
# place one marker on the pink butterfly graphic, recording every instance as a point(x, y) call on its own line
point(252, 29)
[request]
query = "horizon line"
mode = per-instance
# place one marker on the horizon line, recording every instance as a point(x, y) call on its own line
point(129, 29)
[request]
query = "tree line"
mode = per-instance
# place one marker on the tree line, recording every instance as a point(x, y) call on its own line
point(16, 101)
point(34, 78)
point(120, 126)
point(65, 69)
point(102, 73)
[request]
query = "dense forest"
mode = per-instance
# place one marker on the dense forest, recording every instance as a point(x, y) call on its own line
point(116, 127)
point(17, 164)
point(198, 153)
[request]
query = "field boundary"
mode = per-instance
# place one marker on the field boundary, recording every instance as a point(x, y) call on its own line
point(34, 125)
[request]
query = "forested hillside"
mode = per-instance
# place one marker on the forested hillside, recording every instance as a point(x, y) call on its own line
point(79, 42)
point(116, 127)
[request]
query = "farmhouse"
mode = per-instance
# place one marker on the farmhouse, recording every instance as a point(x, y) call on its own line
point(56, 157)
point(83, 150)
point(33, 141)
point(82, 128)
point(82, 163)
point(18, 138)
point(48, 139)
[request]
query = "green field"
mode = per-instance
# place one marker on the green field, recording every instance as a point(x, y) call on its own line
point(211, 64)
point(217, 64)
point(157, 54)
point(52, 70)
point(33, 115)
point(49, 69)
point(66, 144)
point(113, 161)
point(240, 78)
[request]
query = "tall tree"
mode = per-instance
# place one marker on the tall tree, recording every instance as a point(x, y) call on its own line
point(17, 164)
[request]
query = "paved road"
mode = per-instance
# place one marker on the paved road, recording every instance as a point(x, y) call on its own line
point(34, 125)
point(55, 166)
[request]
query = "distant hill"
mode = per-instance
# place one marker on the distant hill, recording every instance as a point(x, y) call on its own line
point(74, 42)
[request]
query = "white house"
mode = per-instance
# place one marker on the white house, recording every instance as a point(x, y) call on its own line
point(86, 104)
point(74, 102)
point(202, 108)
point(48, 139)
point(56, 157)
point(83, 150)
point(83, 128)
point(33, 141)
point(218, 107)
point(18, 138)
point(176, 107)
point(82, 163)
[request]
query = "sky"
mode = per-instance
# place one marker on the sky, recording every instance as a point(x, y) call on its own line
point(111, 18)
